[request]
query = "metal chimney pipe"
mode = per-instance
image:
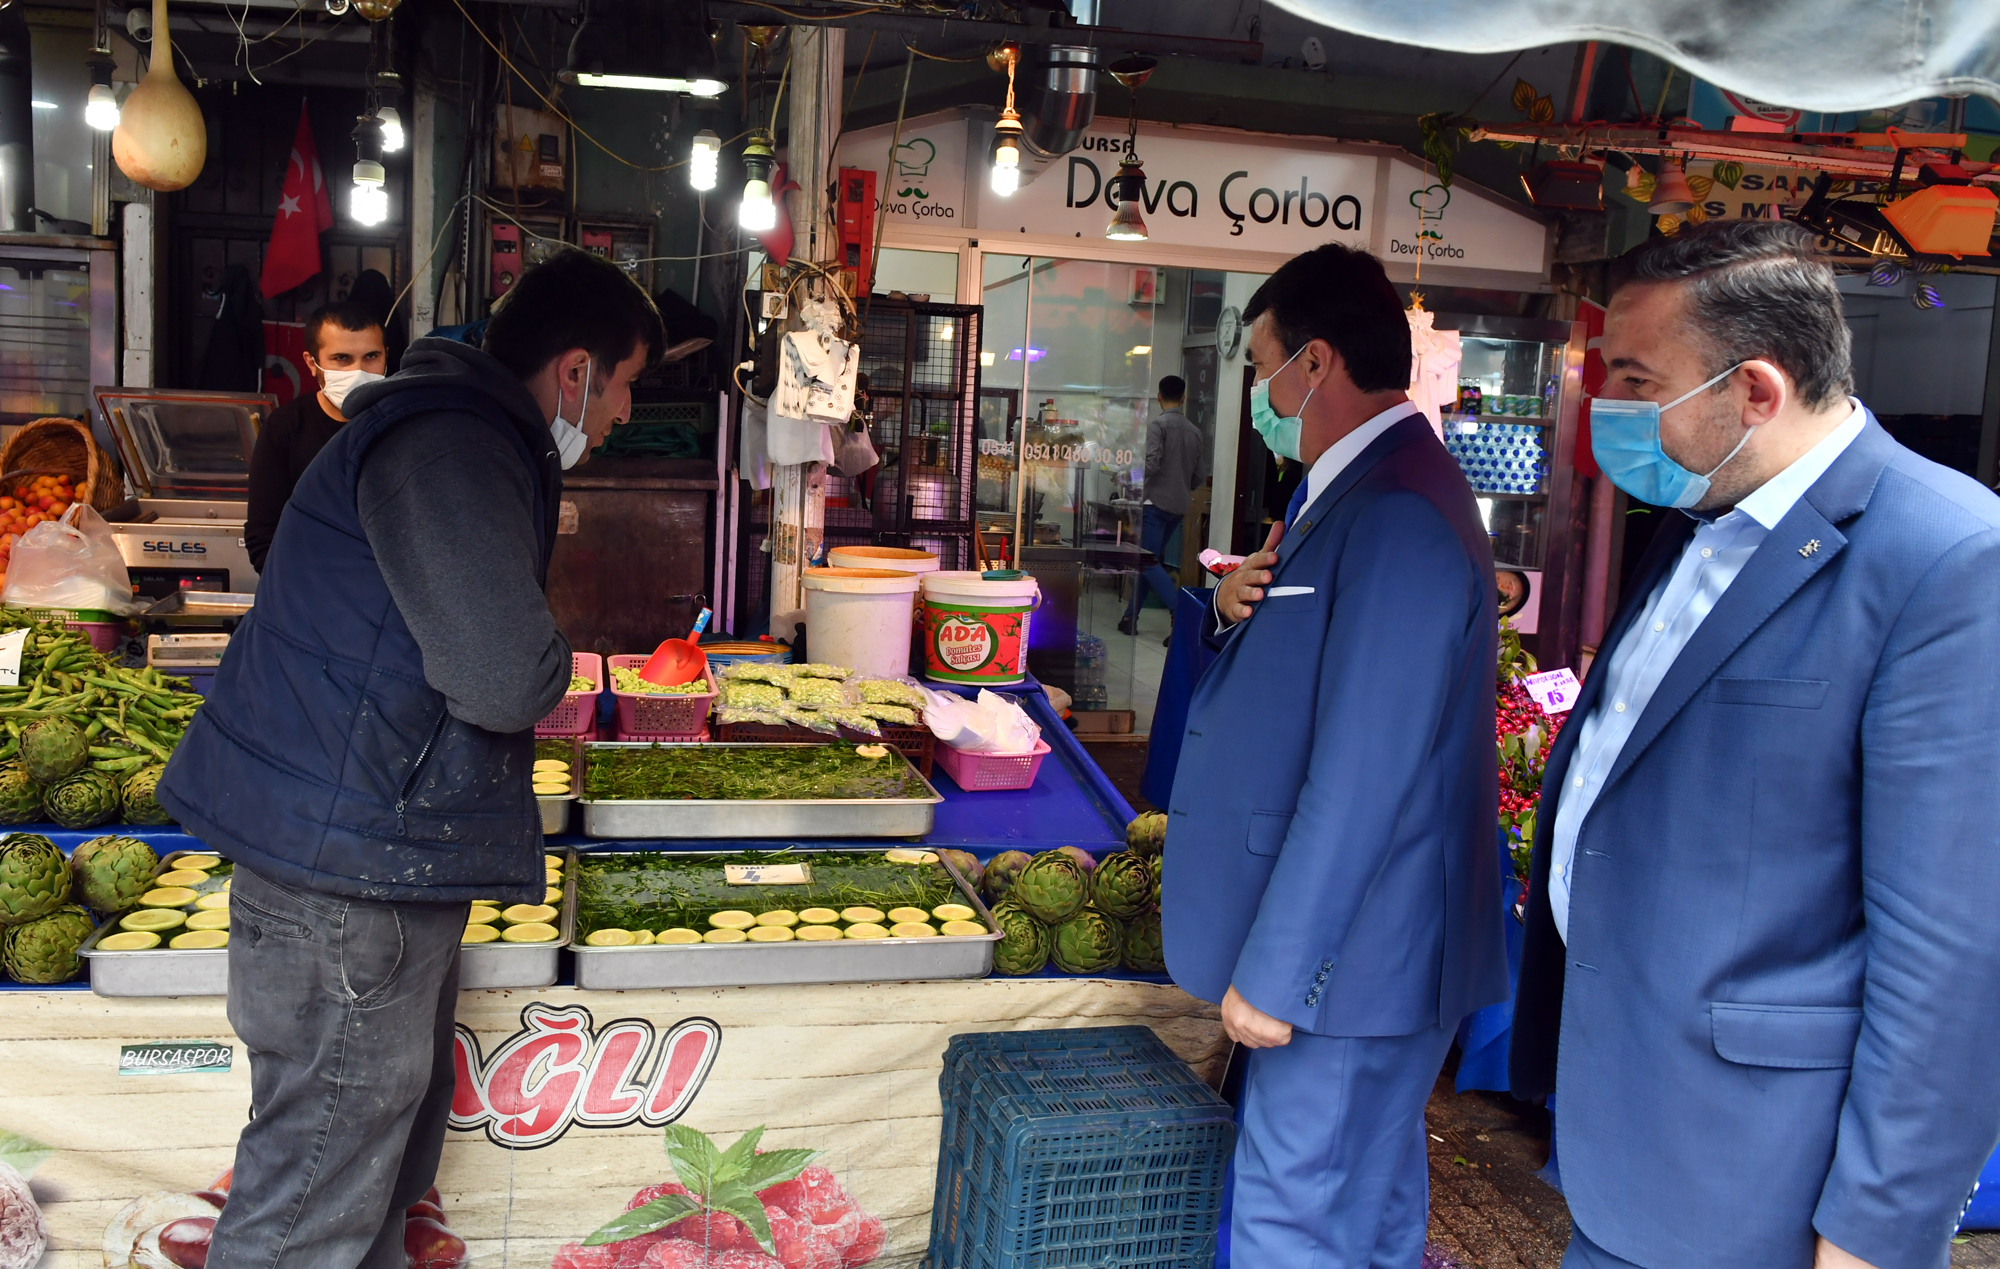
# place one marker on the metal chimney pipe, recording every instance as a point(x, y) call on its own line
point(17, 124)
point(1058, 98)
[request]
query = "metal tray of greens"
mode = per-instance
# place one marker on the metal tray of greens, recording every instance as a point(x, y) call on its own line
point(505, 964)
point(660, 890)
point(710, 791)
point(163, 970)
point(555, 808)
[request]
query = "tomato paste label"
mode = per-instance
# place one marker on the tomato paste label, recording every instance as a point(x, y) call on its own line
point(972, 645)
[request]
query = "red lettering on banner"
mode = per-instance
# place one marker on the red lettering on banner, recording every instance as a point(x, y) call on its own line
point(686, 1062)
point(608, 1095)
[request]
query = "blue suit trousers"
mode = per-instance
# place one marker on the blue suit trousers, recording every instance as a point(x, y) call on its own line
point(1332, 1170)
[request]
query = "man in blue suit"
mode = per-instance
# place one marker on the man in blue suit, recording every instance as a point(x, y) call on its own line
point(1333, 882)
point(1760, 966)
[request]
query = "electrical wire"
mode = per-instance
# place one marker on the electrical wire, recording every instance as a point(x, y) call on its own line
point(450, 218)
point(977, 57)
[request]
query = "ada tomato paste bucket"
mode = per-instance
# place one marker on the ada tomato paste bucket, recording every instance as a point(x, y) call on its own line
point(976, 626)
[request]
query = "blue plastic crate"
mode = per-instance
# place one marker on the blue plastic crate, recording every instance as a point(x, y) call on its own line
point(1083, 1147)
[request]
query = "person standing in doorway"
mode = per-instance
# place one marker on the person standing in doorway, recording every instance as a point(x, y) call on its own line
point(1173, 467)
point(344, 349)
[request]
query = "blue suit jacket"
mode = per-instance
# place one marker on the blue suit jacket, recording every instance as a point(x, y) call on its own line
point(1779, 1007)
point(1332, 816)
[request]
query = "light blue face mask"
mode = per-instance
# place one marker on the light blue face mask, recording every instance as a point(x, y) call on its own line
point(1280, 434)
point(1625, 437)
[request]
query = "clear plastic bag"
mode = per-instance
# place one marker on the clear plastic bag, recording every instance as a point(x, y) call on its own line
point(70, 563)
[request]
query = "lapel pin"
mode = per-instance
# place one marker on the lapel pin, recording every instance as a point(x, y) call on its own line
point(1806, 551)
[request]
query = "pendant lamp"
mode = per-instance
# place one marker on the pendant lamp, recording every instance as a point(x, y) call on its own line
point(1671, 195)
point(1128, 189)
point(160, 141)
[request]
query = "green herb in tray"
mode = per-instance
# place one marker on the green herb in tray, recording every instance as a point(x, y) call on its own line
point(748, 773)
point(662, 892)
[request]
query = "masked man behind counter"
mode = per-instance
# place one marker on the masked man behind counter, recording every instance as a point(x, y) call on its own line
point(344, 349)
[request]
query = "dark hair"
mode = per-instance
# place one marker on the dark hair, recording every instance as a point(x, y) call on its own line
point(573, 300)
point(1340, 294)
point(345, 314)
point(1173, 388)
point(1754, 290)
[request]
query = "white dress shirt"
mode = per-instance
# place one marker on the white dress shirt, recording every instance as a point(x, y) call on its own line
point(1710, 562)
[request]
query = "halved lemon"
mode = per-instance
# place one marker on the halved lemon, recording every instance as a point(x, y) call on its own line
point(128, 941)
point(609, 938)
point(553, 877)
point(482, 915)
point(903, 916)
point(815, 933)
point(902, 855)
point(953, 912)
point(678, 935)
point(551, 790)
point(528, 914)
point(769, 934)
point(552, 861)
point(167, 897)
point(911, 930)
point(181, 877)
point(866, 930)
point(871, 751)
point(861, 915)
point(199, 940)
point(209, 920)
point(819, 916)
point(153, 919)
point(203, 862)
point(551, 764)
point(552, 896)
point(487, 903)
point(530, 932)
point(217, 902)
point(732, 920)
point(480, 934)
point(963, 929)
point(642, 938)
point(778, 916)
point(725, 936)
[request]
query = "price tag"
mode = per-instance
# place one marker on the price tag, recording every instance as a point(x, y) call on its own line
point(1554, 690)
point(768, 874)
point(175, 1058)
point(11, 645)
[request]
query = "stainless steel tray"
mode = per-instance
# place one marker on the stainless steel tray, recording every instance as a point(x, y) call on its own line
point(555, 810)
point(200, 603)
point(205, 971)
point(762, 964)
point(766, 818)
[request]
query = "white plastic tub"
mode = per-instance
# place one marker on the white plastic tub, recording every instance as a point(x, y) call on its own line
point(860, 618)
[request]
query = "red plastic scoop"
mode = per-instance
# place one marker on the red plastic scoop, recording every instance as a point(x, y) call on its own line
point(678, 661)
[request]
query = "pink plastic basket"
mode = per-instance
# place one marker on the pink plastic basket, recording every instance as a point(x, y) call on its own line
point(990, 773)
point(664, 737)
point(642, 714)
point(576, 713)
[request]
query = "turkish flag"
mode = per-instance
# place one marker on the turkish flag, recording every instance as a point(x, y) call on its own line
point(304, 213)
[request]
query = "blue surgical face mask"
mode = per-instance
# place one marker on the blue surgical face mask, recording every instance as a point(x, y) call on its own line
point(1280, 434)
point(1625, 437)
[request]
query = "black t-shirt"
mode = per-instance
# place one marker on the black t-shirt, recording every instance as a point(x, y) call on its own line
point(294, 434)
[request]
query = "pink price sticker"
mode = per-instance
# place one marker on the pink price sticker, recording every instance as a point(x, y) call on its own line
point(1554, 690)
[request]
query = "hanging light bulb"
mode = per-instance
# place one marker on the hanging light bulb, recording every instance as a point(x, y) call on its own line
point(757, 212)
point(1006, 157)
point(100, 107)
point(392, 129)
point(704, 156)
point(1129, 186)
point(369, 203)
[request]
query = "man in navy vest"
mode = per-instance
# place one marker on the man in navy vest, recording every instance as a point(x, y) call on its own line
point(1760, 966)
point(364, 757)
point(1333, 883)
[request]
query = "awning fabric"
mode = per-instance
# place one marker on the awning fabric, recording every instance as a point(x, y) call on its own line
point(1824, 55)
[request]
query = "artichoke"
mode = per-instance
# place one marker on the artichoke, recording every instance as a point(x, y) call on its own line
point(1084, 859)
point(967, 864)
point(1147, 834)
point(1000, 874)
point(1145, 949)
point(44, 950)
point(1051, 887)
point(34, 878)
point(52, 748)
point(1088, 942)
point(1024, 949)
point(20, 796)
point(1122, 885)
point(83, 800)
point(112, 872)
point(136, 797)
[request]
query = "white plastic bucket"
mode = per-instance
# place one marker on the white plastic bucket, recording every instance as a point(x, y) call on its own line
point(976, 630)
point(860, 618)
point(896, 559)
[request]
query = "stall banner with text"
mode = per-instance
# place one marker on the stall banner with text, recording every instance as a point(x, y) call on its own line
point(562, 1097)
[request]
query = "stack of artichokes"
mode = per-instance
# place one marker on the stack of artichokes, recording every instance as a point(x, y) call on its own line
point(43, 917)
point(1087, 915)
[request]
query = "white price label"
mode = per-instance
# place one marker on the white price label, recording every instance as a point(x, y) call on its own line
point(767, 874)
point(11, 645)
point(1554, 690)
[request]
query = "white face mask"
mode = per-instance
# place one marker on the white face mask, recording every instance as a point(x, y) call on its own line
point(571, 441)
point(341, 382)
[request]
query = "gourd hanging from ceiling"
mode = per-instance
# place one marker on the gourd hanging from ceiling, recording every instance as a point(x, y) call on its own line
point(160, 141)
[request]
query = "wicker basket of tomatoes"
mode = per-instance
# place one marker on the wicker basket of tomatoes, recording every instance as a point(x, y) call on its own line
point(61, 447)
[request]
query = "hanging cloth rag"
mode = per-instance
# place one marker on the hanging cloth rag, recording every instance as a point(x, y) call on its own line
point(1434, 358)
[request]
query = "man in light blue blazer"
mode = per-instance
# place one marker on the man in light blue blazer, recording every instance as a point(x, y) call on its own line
point(1762, 967)
point(1332, 881)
